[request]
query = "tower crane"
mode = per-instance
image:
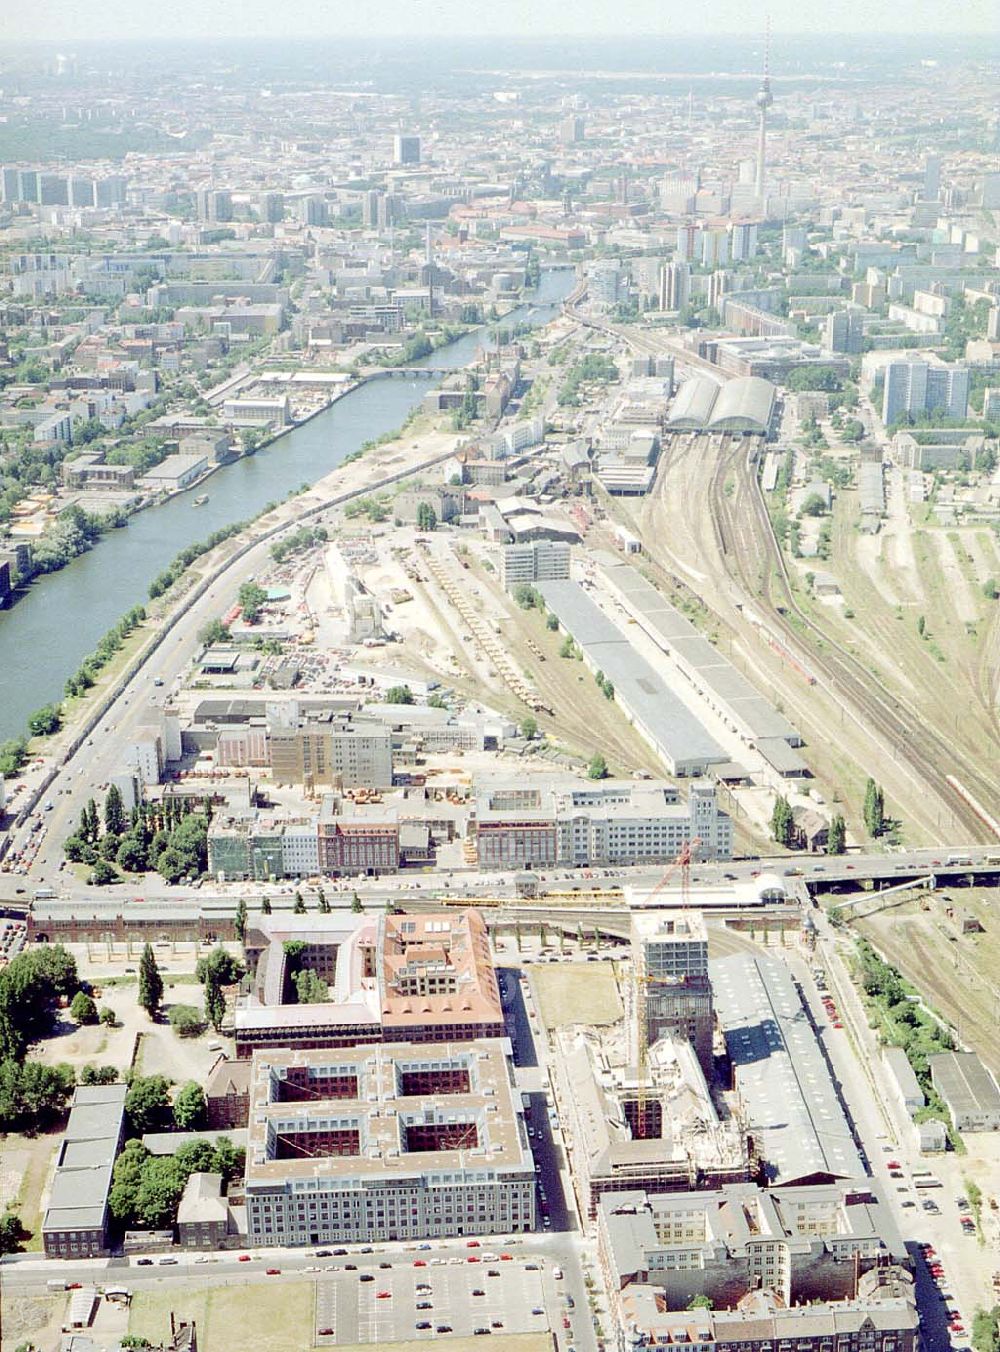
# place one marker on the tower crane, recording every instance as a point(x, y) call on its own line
point(681, 863)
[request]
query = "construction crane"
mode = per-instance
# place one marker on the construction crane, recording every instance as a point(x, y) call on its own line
point(682, 862)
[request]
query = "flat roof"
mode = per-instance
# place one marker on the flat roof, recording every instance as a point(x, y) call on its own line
point(964, 1082)
point(381, 1115)
point(682, 740)
point(780, 1073)
point(712, 670)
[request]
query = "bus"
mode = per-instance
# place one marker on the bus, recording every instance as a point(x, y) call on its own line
point(925, 1179)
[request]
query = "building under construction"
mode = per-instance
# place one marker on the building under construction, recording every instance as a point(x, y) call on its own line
point(656, 1129)
point(378, 1143)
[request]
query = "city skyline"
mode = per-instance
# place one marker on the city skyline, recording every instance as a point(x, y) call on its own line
point(68, 20)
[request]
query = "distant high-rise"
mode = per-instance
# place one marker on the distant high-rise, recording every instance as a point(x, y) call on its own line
point(844, 332)
point(675, 286)
point(406, 149)
point(272, 207)
point(214, 205)
point(932, 178)
point(764, 100)
point(572, 130)
point(914, 387)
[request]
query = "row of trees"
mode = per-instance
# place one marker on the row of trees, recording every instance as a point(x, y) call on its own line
point(215, 971)
point(303, 538)
point(165, 580)
point(90, 668)
point(171, 838)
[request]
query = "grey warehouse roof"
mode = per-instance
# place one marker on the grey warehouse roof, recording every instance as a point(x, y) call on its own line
point(964, 1083)
point(780, 1072)
point(693, 404)
point(743, 405)
point(683, 743)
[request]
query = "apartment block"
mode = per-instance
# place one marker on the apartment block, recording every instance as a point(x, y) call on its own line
point(381, 1143)
point(914, 387)
point(356, 840)
point(883, 1318)
point(413, 978)
point(537, 561)
point(607, 823)
point(803, 1244)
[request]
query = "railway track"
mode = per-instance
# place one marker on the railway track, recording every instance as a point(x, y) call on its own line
point(752, 553)
point(754, 560)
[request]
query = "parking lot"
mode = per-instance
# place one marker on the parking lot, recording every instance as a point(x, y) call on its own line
point(429, 1298)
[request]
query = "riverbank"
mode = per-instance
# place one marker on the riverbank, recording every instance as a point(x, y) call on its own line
point(45, 637)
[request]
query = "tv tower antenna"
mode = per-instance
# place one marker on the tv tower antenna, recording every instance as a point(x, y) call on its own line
point(764, 100)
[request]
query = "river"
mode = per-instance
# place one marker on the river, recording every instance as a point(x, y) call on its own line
point(45, 636)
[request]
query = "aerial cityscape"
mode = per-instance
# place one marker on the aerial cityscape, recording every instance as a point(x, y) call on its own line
point(499, 678)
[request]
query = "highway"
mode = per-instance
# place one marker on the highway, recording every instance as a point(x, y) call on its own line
point(732, 882)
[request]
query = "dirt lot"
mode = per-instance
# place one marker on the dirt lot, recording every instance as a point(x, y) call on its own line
point(160, 1050)
point(30, 1317)
point(278, 1312)
point(958, 973)
point(585, 993)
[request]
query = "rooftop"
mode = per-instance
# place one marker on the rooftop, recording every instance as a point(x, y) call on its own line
point(402, 1109)
point(780, 1073)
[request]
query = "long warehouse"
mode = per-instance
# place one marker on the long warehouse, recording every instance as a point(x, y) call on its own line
point(722, 686)
point(667, 724)
point(784, 1084)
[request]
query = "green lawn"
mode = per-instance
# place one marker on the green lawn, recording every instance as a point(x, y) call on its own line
point(273, 1315)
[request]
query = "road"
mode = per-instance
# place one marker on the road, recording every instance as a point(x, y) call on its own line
point(884, 1136)
point(732, 879)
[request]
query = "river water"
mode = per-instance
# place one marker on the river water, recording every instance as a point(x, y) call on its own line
point(45, 636)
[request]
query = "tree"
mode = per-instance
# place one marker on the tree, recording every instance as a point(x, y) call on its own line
point(159, 1192)
point(853, 430)
point(99, 1075)
point(598, 767)
point(150, 983)
point(125, 1181)
point(215, 1004)
point(567, 648)
point(356, 905)
point(251, 599)
point(814, 505)
point(83, 1010)
point(990, 589)
point(186, 1020)
point(108, 1017)
point(300, 907)
point(874, 809)
point(103, 873)
point(310, 988)
point(921, 625)
point(213, 632)
point(426, 517)
point(240, 920)
point(529, 728)
point(265, 906)
point(45, 721)
point(115, 818)
point(32, 1095)
point(399, 694)
point(147, 1104)
point(324, 905)
point(782, 821)
point(219, 966)
point(131, 855)
point(190, 1107)
point(836, 841)
point(30, 986)
point(12, 1233)
point(699, 1302)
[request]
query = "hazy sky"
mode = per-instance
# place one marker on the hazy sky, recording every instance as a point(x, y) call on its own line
point(77, 20)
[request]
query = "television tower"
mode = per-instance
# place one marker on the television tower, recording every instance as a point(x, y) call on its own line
point(764, 100)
